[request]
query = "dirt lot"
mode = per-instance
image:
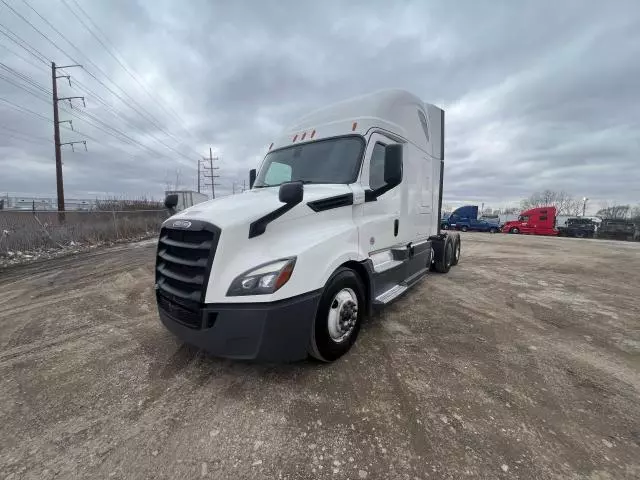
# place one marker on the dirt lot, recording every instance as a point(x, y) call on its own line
point(522, 362)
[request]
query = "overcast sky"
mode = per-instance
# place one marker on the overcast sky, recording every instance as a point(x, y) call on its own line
point(538, 94)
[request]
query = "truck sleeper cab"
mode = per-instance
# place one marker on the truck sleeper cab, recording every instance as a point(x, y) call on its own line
point(535, 221)
point(343, 217)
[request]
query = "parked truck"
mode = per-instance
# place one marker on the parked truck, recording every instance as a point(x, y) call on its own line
point(619, 229)
point(466, 218)
point(343, 218)
point(536, 221)
point(579, 227)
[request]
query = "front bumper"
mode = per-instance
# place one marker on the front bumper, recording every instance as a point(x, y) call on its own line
point(277, 331)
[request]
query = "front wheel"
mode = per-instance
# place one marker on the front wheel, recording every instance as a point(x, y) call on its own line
point(493, 230)
point(339, 316)
point(464, 228)
point(514, 230)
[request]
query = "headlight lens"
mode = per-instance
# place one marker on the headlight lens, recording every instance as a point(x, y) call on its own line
point(264, 279)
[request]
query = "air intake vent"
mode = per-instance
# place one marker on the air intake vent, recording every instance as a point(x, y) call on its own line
point(183, 266)
point(332, 202)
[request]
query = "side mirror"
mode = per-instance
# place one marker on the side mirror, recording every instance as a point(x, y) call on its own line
point(252, 178)
point(291, 193)
point(393, 165)
point(171, 201)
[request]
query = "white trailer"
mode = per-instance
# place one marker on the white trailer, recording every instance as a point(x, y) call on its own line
point(343, 217)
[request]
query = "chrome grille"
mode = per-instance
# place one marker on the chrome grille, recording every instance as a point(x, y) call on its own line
point(183, 265)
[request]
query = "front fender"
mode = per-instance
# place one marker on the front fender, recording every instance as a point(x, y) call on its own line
point(320, 242)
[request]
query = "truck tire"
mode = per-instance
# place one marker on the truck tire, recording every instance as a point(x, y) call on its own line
point(456, 252)
point(445, 227)
point(443, 262)
point(514, 230)
point(464, 228)
point(340, 313)
point(579, 234)
point(493, 230)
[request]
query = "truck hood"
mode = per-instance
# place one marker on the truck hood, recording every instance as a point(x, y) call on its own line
point(253, 204)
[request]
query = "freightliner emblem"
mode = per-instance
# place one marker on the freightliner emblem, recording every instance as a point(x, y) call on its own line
point(181, 224)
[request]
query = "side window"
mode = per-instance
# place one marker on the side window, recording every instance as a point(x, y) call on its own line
point(376, 167)
point(278, 173)
point(423, 122)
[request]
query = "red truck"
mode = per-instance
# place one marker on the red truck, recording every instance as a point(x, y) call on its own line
point(537, 221)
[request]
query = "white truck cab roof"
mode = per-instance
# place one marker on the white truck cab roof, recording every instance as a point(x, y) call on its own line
point(397, 111)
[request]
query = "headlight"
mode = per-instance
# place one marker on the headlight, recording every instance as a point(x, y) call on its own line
point(264, 279)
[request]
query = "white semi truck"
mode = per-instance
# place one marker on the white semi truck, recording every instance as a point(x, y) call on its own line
point(342, 217)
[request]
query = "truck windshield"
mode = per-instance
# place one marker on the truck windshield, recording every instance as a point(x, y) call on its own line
point(335, 160)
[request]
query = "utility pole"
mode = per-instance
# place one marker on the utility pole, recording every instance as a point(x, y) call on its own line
point(56, 132)
point(211, 175)
point(244, 185)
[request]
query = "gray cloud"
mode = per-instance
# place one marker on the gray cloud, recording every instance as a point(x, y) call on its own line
point(541, 95)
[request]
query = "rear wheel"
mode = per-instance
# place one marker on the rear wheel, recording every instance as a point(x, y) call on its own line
point(464, 228)
point(456, 252)
point(445, 227)
point(443, 262)
point(514, 230)
point(339, 316)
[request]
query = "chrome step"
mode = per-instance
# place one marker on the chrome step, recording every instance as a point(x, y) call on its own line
point(391, 294)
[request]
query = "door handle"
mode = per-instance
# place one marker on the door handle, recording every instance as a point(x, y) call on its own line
point(396, 226)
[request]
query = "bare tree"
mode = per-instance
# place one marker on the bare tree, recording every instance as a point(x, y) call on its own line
point(615, 212)
point(510, 211)
point(446, 207)
point(565, 203)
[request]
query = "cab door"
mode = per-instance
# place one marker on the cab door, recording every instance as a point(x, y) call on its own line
point(380, 226)
point(526, 225)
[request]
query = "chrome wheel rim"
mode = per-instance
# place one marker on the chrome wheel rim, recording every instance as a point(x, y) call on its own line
point(343, 315)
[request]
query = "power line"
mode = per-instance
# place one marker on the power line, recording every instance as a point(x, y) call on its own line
point(126, 120)
point(117, 56)
point(26, 78)
point(23, 138)
point(36, 94)
point(112, 131)
point(21, 43)
point(130, 103)
point(19, 55)
point(25, 110)
point(153, 120)
point(29, 136)
point(18, 14)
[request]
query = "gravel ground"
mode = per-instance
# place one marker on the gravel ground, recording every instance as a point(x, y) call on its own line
point(522, 362)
